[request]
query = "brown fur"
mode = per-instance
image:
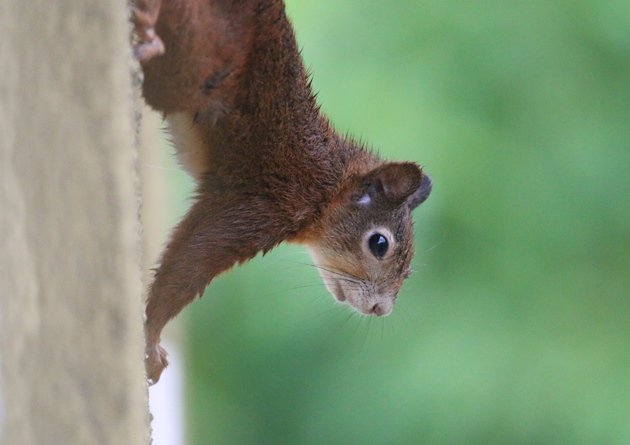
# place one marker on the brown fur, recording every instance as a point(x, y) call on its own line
point(273, 168)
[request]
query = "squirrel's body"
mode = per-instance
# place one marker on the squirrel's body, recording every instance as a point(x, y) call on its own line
point(269, 167)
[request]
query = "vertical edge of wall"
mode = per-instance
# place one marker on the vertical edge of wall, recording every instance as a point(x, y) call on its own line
point(71, 342)
point(160, 177)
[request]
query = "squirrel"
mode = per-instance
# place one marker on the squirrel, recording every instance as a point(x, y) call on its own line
point(229, 80)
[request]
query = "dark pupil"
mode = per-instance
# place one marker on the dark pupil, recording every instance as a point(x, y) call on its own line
point(378, 245)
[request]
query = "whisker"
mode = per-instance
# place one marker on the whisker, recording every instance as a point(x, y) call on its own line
point(327, 312)
point(339, 325)
point(382, 328)
point(342, 276)
point(350, 315)
point(403, 316)
point(429, 249)
point(359, 323)
point(347, 275)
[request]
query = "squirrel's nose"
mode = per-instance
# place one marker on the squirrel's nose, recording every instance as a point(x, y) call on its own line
point(377, 310)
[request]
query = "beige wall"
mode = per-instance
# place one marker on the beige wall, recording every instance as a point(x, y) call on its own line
point(70, 291)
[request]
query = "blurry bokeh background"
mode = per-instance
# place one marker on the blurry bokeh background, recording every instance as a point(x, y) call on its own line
point(514, 328)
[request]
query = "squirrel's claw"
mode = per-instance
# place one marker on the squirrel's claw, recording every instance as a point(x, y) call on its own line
point(144, 17)
point(155, 361)
point(145, 51)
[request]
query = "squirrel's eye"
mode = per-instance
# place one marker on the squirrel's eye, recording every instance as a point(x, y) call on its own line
point(378, 245)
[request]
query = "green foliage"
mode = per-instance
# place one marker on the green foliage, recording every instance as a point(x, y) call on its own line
point(514, 328)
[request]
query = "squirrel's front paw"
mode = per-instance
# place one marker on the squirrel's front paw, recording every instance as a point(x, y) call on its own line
point(154, 362)
point(144, 17)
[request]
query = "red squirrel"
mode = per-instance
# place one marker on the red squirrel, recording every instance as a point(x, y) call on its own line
point(228, 77)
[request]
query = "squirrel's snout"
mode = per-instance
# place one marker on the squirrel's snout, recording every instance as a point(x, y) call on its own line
point(377, 310)
point(381, 309)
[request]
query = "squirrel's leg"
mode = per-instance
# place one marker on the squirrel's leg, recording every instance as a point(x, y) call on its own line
point(144, 16)
point(217, 232)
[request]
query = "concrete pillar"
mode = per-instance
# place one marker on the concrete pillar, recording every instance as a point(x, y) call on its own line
point(71, 347)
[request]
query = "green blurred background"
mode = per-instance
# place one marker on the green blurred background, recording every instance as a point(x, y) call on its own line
point(514, 328)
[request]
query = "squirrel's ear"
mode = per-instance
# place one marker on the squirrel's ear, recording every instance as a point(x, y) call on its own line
point(421, 194)
point(394, 182)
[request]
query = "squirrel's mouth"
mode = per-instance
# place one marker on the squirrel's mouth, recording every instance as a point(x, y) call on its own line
point(339, 293)
point(378, 305)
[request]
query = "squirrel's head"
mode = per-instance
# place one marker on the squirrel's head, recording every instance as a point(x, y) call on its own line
point(365, 244)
